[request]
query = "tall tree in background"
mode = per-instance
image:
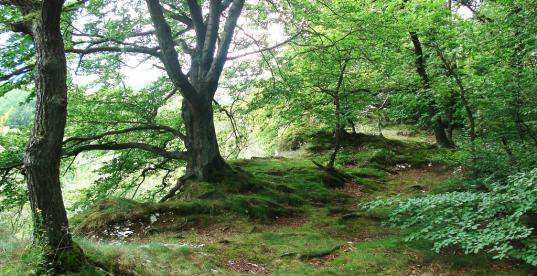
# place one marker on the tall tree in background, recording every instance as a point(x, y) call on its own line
point(41, 21)
point(434, 118)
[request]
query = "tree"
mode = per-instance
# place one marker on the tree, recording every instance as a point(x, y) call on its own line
point(434, 119)
point(41, 21)
point(434, 116)
point(183, 31)
point(131, 33)
point(198, 89)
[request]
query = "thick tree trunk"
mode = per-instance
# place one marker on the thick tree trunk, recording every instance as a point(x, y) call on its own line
point(42, 156)
point(205, 162)
point(435, 120)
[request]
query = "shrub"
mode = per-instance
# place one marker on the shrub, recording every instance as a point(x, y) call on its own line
point(500, 221)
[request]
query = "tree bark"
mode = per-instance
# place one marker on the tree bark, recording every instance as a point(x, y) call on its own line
point(338, 133)
point(43, 152)
point(435, 119)
point(204, 161)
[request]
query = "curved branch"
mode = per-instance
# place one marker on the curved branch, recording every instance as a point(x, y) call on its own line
point(169, 55)
point(114, 49)
point(176, 155)
point(174, 131)
point(17, 72)
point(261, 50)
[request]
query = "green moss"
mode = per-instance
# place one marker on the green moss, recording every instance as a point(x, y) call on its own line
point(278, 214)
point(332, 180)
point(151, 258)
point(259, 207)
point(199, 190)
point(72, 260)
point(366, 172)
point(253, 191)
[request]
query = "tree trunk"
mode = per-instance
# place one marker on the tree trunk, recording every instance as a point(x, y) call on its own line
point(205, 162)
point(198, 86)
point(379, 125)
point(435, 120)
point(337, 113)
point(339, 132)
point(450, 116)
point(353, 126)
point(451, 71)
point(469, 112)
point(42, 156)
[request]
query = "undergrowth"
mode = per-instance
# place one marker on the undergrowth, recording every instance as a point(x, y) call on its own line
point(275, 216)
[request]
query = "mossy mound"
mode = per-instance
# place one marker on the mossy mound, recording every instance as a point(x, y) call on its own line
point(139, 219)
point(333, 180)
point(253, 191)
point(370, 150)
point(322, 141)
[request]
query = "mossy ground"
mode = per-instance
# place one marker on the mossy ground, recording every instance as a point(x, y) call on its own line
point(284, 222)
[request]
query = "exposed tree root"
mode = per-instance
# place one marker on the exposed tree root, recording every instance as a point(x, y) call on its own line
point(332, 177)
point(181, 182)
point(312, 254)
point(112, 269)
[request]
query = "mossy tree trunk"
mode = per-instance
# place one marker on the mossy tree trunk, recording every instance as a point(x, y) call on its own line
point(43, 151)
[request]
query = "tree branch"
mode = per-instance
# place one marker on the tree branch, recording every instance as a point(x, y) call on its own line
point(114, 49)
point(176, 155)
point(169, 55)
point(270, 48)
point(221, 56)
point(197, 20)
point(17, 72)
point(211, 35)
point(127, 130)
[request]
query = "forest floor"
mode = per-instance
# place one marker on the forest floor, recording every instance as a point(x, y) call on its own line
point(291, 223)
